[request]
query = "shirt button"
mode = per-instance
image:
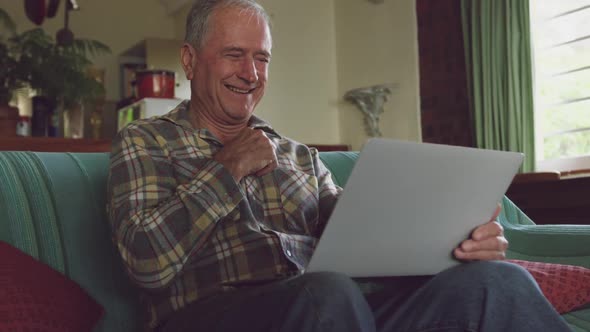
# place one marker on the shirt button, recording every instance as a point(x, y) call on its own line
point(289, 253)
point(228, 199)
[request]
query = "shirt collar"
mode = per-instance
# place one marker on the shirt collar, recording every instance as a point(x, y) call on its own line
point(180, 116)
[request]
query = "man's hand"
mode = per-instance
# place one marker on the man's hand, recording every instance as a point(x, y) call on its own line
point(487, 242)
point(250, 152)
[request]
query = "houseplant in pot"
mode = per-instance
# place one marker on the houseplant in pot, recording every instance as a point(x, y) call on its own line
point(57, 72)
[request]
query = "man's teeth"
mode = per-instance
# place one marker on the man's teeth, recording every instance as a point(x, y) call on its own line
point(234, 89)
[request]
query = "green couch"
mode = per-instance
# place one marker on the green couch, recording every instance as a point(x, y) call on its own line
point(52, 206)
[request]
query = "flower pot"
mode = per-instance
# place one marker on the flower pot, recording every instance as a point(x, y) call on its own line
point(8, 120)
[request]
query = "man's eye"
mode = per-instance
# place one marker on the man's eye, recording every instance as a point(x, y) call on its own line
point(233, 55)
point(265, 60)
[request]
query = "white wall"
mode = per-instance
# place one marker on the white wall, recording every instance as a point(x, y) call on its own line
point(378, 43)
point(118, 23)
point(301, 100)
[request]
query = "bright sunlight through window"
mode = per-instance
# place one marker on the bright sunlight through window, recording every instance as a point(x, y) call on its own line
point(561, 48)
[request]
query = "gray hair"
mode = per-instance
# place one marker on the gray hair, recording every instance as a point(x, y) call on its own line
point(197, 21)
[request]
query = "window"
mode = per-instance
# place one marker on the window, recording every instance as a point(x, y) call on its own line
point(561, 47)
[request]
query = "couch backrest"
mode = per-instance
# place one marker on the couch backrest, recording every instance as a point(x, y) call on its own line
point(52, 206)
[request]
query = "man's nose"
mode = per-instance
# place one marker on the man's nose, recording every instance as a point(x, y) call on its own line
point(248, 71)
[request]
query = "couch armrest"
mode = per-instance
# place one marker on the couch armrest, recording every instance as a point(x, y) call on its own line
point(564, 244)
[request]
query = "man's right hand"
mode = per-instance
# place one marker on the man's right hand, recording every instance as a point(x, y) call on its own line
point(250, 152)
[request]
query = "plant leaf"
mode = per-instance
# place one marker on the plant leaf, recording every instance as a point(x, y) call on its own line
point(7, 23)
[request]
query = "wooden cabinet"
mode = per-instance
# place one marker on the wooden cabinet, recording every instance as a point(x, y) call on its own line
point(553, 198)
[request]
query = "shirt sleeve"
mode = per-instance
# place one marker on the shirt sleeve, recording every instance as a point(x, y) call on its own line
point(158, 224)
point(328, 191)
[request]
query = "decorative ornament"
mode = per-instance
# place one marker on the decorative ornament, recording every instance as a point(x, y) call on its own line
point(370, 101)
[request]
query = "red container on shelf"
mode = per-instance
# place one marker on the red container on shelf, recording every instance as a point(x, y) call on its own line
point(155, 83)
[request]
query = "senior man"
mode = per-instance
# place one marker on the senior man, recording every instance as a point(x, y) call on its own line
point(216, 215)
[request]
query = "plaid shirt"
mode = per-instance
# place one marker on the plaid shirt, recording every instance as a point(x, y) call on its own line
point(186, 230)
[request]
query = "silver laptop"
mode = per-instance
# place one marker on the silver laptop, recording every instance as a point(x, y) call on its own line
point(407, 205)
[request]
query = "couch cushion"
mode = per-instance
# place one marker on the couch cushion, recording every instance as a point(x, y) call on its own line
point(34, 297)
point(27, 211)
point(78, 184)
point(567, 287)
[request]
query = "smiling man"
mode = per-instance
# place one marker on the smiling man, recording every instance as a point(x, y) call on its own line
point(228, 73)
point(216, 215)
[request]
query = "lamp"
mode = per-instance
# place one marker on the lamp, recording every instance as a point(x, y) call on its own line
point(370, 101)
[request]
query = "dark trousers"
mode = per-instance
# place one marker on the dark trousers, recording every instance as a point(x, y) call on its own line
point(481, 296)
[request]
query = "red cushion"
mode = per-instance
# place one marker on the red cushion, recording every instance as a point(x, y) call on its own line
point(34, 297)
point(567, 287)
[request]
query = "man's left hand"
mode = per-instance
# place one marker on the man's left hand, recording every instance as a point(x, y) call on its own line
point(487, 242)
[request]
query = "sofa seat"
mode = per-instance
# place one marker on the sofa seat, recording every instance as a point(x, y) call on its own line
point(52, 206)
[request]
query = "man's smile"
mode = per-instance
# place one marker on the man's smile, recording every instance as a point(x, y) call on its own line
point(238, 90)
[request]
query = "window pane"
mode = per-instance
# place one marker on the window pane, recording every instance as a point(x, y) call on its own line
point(565, 117)
point(567, 145)
point(557, 60)
point(562, 76)
point(563, 29)
point(544, 9)
point(563, 88)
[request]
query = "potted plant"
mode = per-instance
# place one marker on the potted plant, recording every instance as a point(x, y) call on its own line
point(57, 72)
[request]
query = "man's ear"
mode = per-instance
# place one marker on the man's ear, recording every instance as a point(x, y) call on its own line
point(188, 59)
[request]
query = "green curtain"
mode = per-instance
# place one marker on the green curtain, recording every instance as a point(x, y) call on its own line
point(497, 39)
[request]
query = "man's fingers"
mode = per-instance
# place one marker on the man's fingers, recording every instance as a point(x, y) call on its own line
point(496, 212)
point(479, 255)
point(252, 151)
point(498, 243)
point(487, 230)
point(487, 242)
point(270, 166)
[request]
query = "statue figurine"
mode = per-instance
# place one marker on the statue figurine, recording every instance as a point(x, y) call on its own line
point(370, 101)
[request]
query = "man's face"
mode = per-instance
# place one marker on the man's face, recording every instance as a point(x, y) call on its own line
point(232, 65)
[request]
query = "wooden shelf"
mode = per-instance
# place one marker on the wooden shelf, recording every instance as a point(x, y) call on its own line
point(53, 144)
